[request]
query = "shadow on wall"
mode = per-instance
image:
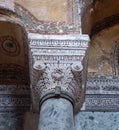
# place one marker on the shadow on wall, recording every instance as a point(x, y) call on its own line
point(31, 121)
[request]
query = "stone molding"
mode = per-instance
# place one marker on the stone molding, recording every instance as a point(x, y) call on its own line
point(57, 67)
point(102, 94)
point(7, 4)
point(102, 85)
point(101, 102)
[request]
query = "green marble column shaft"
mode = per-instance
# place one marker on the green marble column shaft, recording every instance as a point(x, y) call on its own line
point(56, 114)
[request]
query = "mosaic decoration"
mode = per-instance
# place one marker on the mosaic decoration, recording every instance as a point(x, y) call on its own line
point(14, 73)
point(9, 45)
point(14, 66)
point(34, 25)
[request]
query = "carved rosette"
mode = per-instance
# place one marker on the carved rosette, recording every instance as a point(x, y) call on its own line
point(58, 69)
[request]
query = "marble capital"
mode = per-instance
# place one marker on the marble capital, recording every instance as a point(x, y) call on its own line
point(59, 68)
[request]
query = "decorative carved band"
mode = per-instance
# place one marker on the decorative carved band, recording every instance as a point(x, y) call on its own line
point(14, 98)
point(102, 102)
point(57, 69)
point(13, 103)
point(102, 85)
point(102, 94)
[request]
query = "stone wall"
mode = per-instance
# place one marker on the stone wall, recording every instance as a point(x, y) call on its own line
point(83, 121)
point(97, 121)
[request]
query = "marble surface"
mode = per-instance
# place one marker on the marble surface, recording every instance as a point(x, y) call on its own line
point(11, 121)
point(97, 121)
point(83, 121)
point(56, 114)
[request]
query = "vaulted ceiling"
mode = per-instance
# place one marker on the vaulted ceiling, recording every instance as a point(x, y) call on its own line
point(100, 19)
point(99, 14)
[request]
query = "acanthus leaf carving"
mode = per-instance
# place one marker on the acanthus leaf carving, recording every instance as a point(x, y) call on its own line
point(58, 68)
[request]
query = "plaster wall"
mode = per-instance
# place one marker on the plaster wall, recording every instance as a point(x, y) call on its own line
point(50, 10)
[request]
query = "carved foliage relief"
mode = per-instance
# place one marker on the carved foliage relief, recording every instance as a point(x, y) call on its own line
point(58, 64)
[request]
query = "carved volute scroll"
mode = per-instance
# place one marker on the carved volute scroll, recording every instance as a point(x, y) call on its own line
point(58, 70)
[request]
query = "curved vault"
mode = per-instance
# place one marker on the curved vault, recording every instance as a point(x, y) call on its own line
point(98, 15)
point(103, 54)
point(14, 64)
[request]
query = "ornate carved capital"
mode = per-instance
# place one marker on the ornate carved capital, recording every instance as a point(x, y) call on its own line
point(58, 68)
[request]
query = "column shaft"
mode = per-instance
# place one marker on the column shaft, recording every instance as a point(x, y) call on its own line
point(56, 114)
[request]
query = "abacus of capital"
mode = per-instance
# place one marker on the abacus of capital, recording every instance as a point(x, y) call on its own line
point(58, 78)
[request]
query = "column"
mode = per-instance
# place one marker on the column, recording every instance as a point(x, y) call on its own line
point(58, 79)
point(56, 114)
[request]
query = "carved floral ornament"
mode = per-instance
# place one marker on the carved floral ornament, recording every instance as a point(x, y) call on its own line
point(58, 74)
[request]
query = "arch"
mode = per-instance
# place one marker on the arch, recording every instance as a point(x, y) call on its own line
point(116, 58)
point(14, 63)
